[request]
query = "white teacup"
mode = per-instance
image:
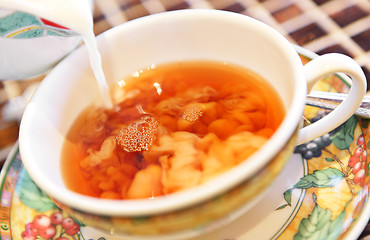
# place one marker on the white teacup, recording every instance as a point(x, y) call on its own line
point(168, 37)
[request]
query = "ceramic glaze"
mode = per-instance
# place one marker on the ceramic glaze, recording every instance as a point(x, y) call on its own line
point(169, 37)
point(271, 218)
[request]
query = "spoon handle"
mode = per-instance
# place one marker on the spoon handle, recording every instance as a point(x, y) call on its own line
point(329, 100)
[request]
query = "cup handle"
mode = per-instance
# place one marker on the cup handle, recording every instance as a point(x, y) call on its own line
point(317, 69)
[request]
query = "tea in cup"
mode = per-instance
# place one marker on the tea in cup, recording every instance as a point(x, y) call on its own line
point(183, 83)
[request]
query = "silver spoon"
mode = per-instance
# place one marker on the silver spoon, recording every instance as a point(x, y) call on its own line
point(329, 100)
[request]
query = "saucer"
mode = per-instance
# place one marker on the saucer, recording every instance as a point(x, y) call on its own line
point(323, 191)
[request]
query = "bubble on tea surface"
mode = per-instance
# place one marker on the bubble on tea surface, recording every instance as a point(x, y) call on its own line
point(192, 112)
point(139, 134)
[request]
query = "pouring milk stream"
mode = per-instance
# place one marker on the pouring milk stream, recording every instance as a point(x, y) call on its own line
point(75, 15)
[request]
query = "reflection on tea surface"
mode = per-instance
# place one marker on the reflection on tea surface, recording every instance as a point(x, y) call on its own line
point(173, 126)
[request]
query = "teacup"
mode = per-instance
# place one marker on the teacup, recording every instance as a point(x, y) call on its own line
point(168, 37)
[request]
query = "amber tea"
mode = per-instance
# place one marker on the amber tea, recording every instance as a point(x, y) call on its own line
point(174, 126)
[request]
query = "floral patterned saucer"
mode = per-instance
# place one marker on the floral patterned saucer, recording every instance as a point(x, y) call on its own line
point(322, 193)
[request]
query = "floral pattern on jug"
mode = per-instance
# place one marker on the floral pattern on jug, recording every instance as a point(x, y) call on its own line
point(14, 24)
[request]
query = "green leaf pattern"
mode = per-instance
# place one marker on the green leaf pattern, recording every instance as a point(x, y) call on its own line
point(344, 138)
point(319, 225)
point(31, 195)
point(322, 178)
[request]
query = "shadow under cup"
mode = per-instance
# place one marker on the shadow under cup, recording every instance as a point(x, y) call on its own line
point(161, 38)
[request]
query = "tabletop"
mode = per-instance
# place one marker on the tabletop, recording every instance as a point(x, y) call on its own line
point(322, 26)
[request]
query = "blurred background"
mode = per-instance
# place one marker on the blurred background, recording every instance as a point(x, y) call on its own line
point(321, 26)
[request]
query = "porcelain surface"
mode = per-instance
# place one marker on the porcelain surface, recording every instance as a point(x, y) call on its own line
point(323, 191)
